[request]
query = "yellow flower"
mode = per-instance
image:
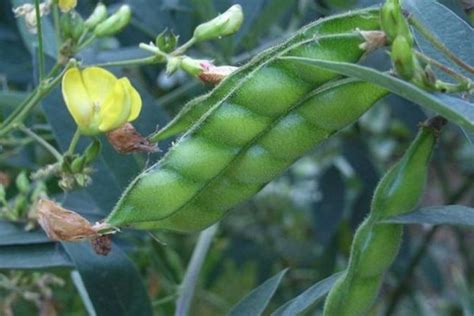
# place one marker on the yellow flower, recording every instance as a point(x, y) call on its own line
point(67, 5)
point(98, 101)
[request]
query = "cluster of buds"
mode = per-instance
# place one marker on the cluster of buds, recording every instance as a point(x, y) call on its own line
point(404, 59)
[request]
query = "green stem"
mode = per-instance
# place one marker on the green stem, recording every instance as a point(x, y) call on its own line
point(57, 26)
point(40, 41)
point(129, 62)
point(73, 144)
point(180, 50)
point(439, 45)
point(189, 283)
point(35, 97)
point(459, 77)
point(42, 142)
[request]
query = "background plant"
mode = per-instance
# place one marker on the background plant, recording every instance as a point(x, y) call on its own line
point(295, 222)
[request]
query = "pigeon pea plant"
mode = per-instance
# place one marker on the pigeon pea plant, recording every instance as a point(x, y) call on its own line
point(259, 119)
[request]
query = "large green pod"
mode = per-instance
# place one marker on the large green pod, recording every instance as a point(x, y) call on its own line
point(249, 129)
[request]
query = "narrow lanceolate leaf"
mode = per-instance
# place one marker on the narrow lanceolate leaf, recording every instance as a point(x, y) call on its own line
point(15, 234)
point(38, 256)
point(306, 299)
point(113, 283)
point(257, 300)
point(446, 26)
point(437, 215)
point(457, 111)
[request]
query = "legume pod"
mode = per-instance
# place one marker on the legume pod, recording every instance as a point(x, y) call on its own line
point(249, 130)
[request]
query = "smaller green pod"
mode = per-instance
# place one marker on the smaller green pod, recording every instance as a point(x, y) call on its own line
point(402, 186)
point(114, 23)
point(403, 58)
point(98, 15)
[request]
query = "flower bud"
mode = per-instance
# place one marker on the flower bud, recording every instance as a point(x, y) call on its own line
point(114, 23)
point(22, 183)
point(72, 26)
point(393, 22)
point(402, 57)
point(192, 66)
point(92, 151)
point(215, 74)
point(98, 15)
point(166, 41)
point(67, 5)
point(225, 24)
point(173, 64)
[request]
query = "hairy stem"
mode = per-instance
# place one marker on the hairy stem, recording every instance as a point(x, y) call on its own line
point(40, 41)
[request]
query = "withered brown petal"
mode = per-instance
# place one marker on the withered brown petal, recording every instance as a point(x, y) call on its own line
point(127, 140)
point(62, 224)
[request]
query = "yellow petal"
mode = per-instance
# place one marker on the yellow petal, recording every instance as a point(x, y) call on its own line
point(115, 109)
point(99, 82)
point(76, 97)
point(135, 99)
point(67, 5)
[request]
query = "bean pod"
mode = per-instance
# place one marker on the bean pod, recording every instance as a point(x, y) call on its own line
point(250, 129)
point(376, 244)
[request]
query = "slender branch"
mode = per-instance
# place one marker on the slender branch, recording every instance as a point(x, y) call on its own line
point(439, 45)
point(57, 26)
point(442, 67)
point(128, 62)
point(189, 283)
point(74, 141)
point(180, 50)
point(40, 41)
point(42, 142)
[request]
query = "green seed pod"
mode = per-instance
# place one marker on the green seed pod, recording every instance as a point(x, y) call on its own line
point(402, 186)
point(92, 151)
point(22, 182)
point(403, 58)
point(367, 19)
point(114, 23)
point(225, 24)
point(98, 15)
point(376, 244)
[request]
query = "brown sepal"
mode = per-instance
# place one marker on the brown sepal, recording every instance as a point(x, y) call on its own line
point(127, 140)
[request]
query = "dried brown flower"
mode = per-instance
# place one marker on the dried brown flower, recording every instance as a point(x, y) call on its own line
point(126, 140)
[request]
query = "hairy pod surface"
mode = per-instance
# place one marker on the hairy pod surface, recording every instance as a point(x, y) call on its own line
point(250, 128)
point(209, 171)
point(376, 244)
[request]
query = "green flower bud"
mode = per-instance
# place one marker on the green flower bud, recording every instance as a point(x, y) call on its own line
point(166, 41)
point(3, 194)
point(22, 182)
point(173, 64)
point(193, 66)
point(114, 23)
point(98, 15)
point(402, 57)
point(92, 151)
point(225, 24)
point(78, 164)
point(72, 25)
point(393, 22)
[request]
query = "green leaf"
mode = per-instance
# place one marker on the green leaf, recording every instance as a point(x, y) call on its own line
point(15, 234)
point(304, 300)
point(113, 283)
point(437, 215)
point(38, 256)
point(446, 26)
point(461, 113)
point(257, 300)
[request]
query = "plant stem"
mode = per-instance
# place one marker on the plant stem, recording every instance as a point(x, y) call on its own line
point(42, 142)
point(129, 62)
point(444, 68)
point(189, 283)
point(34, 98)
point(56, 27)
point(438, 44)
point(73, 144)
point(40, 41)
point(180, 50)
